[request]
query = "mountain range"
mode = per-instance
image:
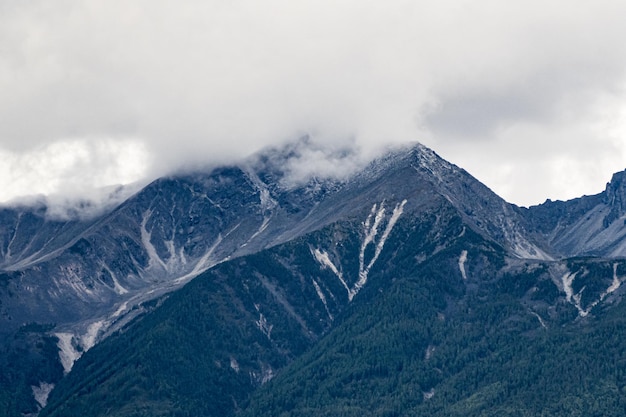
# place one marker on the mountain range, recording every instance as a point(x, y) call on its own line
point(405, 288)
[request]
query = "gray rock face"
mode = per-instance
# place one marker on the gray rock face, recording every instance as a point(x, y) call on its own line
point(615, 198)
point(586, 226)
point(71, 271)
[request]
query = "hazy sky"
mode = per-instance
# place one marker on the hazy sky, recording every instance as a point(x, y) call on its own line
point(528, 96)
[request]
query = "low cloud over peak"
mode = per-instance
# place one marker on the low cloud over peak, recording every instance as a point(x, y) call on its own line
point(525, 95)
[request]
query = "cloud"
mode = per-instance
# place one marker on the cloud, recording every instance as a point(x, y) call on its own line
point(73, 169)
point(83, 206)
point(202, 81)
point(297, 162)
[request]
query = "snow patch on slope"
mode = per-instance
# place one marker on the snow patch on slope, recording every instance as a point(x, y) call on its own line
point(69, 344)
point(67, 352)
point(614, 285)
point(153, 257)
point(88, 340)
point(543, 323)
point(117, 287)
point(203, 264)
point(567, 281)
point(462, 260)
point(324, 260)
point(430, 350)
point(261, 229)
point(320, 294)
point(370, 233)
point(574, 299)
point(41, 393)
point(264, 326)
point(7, 254)
point(371, 227)
point(120, 309)
point(268, 204)
point(234, 365)
point(176, 261)
point(266, 200)
point(429, 394)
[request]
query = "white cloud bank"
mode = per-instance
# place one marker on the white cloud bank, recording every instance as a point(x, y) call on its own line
point(72, 168)
point(526, 95)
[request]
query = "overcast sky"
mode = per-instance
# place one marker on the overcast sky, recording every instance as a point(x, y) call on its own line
point(528, 96)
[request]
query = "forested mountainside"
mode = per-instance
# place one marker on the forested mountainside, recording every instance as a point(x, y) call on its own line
point(407, 288)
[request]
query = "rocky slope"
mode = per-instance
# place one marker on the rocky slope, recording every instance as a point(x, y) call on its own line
point(586, 226)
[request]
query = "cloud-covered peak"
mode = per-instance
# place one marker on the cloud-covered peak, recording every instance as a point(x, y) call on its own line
point(521, 94)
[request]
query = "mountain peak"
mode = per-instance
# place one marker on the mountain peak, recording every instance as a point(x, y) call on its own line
point(615, 197)
point(616, 188)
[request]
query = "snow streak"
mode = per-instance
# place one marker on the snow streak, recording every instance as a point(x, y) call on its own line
point(88, 340)
point(120, 309)
point(267, 203)
point(266, 222)
point(371, 227)
point(204, 263)
point(462, 260)
point(41, 392)
point(320, 294)
point(68, 344)
point(175, 262)
point(324, 260)
point(543, 323)
point(234, 364)
point(429, 352)
point(67, 352)
point(264, 326)
point(614, 285)
point(568, 279)
point(370, 232)
point(154, 258)
point(429, 394)
point(116, 284)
